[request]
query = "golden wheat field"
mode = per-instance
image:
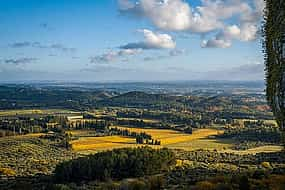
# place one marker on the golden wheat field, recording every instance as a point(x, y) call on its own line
point(201, 138)
point(170, 137)
point(94, 144)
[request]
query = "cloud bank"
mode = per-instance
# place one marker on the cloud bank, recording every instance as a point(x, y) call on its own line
point(212, 16)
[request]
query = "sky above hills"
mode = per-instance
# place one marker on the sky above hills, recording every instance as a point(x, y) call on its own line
point(134, 40)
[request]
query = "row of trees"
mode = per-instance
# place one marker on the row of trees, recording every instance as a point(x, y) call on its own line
point(141, 138)
point(98, 125)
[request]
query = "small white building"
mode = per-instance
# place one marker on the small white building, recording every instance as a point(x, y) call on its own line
point(75, 117)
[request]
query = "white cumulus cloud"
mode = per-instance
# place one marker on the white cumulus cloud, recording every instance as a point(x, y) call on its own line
point(167, 14)
point(246, 30)
point(152, 40)
point(210, 16)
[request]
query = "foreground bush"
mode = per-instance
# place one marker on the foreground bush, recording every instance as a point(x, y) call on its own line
point(118, 164)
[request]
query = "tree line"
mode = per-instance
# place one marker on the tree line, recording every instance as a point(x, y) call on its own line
point(141, 138)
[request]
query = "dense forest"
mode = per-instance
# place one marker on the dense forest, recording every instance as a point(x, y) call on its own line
point(116, 164)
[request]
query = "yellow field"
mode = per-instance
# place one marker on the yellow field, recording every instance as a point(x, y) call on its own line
point(169, 138)
point(94, 144)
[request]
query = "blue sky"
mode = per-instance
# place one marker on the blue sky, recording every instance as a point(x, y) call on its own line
point(102, 40)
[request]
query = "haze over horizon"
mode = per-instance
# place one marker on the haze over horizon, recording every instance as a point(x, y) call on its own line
point(131, 40)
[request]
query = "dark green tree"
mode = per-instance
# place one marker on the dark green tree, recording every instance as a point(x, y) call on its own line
point(274, 50)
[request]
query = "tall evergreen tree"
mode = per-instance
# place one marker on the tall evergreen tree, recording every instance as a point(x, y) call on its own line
point(274, 50)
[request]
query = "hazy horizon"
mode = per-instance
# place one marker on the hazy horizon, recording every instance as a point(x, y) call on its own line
point(128, 81)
